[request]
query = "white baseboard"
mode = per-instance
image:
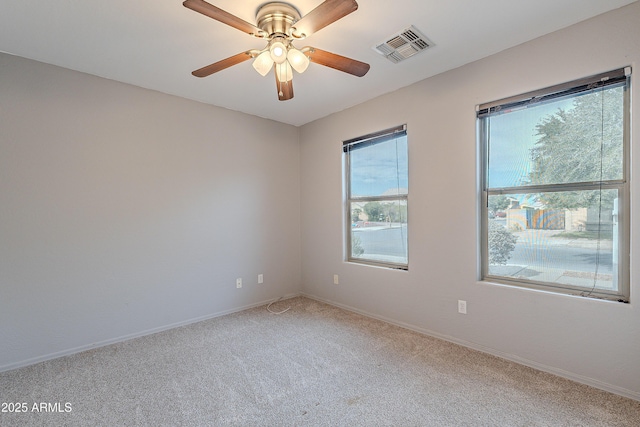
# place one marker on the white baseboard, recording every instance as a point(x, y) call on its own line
point(128, 337)
point(511, 357)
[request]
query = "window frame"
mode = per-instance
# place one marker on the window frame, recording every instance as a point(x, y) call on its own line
point(390, 133)
point(620, 76)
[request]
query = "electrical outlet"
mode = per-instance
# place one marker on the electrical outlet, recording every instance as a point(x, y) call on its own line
point(260, 278)
point(239, 282)
point(336, 279)
point(462, 306)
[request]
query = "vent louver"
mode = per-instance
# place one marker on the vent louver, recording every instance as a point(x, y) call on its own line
point(403, 45)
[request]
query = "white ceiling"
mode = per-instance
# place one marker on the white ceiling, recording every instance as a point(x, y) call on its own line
point(156, 44)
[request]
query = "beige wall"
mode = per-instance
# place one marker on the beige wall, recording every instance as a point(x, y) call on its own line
point(592, 341)
point(124, 211)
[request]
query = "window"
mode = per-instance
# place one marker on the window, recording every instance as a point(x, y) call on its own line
point(555, 188)
point(376, 185)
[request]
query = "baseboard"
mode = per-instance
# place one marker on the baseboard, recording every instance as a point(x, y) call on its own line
point(79, 349)
point(474, 346)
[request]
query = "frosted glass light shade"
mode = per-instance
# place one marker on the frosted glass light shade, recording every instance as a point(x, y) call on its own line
point(278, 52)
point(285, 73)
point(263, 63)
point(298, 60)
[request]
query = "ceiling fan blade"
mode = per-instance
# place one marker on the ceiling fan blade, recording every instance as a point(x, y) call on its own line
point(221, 65)
point(285, 88)
point(218, 14)
point(326, 13)
point(337, 62)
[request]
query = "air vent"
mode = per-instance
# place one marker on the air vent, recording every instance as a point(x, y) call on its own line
point(403, 45)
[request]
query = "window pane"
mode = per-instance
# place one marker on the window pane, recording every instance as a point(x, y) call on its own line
point(576, 139)
point(379, 169)
point(564, 238)
point(379, 231)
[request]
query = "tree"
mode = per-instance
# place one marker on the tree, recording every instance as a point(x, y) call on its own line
point(498, 203)
point(501, 243)
point(355, 214)
point(394, 211)
point(580, 144)
point(374, 211)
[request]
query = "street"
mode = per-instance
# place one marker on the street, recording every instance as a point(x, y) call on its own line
point(535, 249)
point(561, 256)
point(383, 240)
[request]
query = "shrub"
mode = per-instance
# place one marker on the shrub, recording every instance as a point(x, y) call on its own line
point(356, 245)
point(501, 243)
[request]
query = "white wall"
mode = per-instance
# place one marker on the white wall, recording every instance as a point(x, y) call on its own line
point(124, 211)
point(592, 341)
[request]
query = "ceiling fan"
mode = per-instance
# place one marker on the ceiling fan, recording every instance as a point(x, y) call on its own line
point(280, 24)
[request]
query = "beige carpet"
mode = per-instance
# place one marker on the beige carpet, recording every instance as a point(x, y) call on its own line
point(315, 365)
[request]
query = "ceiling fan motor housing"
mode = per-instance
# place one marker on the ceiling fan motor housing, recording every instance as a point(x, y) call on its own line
point(277, 18)
point(280, 24)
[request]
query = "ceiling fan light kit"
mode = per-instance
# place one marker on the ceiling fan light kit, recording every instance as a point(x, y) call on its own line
point(277, 49)
point(298, 60)
point(263, 63)
point(280, 24)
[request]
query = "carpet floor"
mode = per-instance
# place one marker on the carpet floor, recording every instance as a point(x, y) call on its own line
point(314, 365)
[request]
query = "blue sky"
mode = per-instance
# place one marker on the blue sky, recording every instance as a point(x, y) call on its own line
point(512, 137)
point(378, 168)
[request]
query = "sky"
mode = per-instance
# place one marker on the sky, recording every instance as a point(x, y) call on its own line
point(378, 168)
point(512, 137)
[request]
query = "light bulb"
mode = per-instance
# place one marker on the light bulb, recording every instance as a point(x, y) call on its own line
point(298, 60)
point(278, 52)
point(263, 63)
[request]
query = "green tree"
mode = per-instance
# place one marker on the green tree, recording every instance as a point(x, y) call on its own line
point(355, 214)
point(374, 211)
point(498, 203)
point(394, 211)
point(581, 144)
